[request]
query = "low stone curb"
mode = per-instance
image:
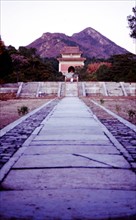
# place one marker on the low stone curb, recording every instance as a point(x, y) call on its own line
point(123, 132)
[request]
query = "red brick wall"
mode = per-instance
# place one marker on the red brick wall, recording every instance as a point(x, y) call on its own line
point(64, 67)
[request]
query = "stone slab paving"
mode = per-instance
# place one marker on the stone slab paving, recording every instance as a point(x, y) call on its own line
point(69, 169)
point(69, 204)
point(60, 149)
point(72, 160)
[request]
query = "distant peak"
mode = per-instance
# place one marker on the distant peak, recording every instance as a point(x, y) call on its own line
point(89, 31)
point(48, 35)
point(91, 42)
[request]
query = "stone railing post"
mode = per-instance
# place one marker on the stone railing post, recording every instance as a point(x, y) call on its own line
point(123, 88)
point(59, 89)
point(19, 89)
point(105, 89)
point(83, 89)
point(38, 89)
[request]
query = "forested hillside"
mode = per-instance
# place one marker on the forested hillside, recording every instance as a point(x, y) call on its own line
point(25, 65)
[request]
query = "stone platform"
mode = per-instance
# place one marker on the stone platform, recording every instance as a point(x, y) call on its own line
point(61, 89)
point(69, 168)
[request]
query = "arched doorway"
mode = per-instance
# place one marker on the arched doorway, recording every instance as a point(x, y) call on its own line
point(71, 75)
point(71, 69)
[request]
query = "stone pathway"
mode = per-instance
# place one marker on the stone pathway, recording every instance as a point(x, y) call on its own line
point(70, 167)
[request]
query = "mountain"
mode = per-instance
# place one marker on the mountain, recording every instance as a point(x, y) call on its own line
point(90, 42)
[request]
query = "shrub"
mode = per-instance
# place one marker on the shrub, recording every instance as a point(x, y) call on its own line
point(131, 114)
point(102, 101)
point(23, 110)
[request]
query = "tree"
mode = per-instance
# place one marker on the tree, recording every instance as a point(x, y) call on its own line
point(93, 67)
point(123, 68)
point(103, 73)
point(132, 23)
point(5, 63)
point(31, 52)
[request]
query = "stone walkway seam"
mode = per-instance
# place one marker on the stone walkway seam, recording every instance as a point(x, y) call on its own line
point(89, 158)
point(18, 121)
point(125, 122)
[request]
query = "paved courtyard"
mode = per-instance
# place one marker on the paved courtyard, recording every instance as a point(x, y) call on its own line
point(69, 167)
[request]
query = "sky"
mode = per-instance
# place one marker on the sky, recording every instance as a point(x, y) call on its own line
point(23, 21)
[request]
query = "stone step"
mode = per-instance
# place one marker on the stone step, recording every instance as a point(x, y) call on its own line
point(71, 89)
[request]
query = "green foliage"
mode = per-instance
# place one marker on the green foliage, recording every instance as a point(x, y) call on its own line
point(31, 52)
point(132, 23)
point(123, 68)
point(23, 110)
point(83, 74)
point(6, 67)
point(28, 66)
point(131, 114)
point(102, 101)
point(102, 74)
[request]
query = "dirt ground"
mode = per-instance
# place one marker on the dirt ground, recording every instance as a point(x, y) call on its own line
point(119, 105)
point(125, 107)
point(9, 109)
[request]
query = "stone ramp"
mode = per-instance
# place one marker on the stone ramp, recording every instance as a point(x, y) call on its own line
point(70, 169)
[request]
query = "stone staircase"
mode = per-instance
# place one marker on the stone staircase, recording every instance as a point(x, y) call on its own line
point(71, 89)
point(29, 90)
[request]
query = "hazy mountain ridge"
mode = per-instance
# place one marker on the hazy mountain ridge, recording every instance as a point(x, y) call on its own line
point(90, 42)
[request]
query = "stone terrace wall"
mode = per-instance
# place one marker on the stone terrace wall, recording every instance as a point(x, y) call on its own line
point(9, 88)
point(43, 89)
point(110, 88)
